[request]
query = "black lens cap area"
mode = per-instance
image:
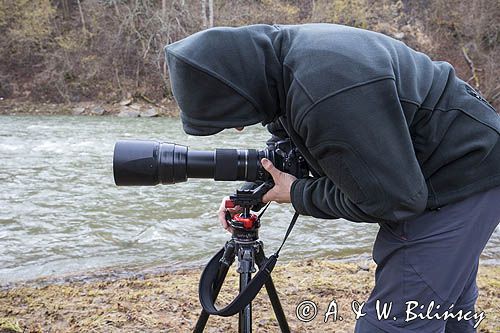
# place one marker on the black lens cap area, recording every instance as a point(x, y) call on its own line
point(135, 163)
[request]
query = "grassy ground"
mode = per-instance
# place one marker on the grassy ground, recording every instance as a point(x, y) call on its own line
point(168, 302)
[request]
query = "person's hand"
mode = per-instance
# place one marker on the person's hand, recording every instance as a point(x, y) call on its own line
point(222, 214)
point(282, 184)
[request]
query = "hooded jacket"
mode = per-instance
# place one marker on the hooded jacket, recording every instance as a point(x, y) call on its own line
point(387, 131)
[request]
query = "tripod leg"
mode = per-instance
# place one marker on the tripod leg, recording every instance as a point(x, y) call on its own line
point(273, 295)
point(245, 268)
point(245, 315)
point(203, 318)
point(278, 309)
point(226, 261)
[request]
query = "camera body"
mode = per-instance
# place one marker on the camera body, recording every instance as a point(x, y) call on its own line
point(287, 158)
point(147, 163)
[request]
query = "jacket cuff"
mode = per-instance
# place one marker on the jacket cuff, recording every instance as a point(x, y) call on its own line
point(297, 195)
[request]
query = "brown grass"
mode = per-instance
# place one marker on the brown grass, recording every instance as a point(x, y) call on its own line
point(168, 302)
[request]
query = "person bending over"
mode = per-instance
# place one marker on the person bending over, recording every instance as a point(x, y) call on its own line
point(391, 137)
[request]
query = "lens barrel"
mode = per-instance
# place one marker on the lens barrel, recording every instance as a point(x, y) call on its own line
point(142, 163)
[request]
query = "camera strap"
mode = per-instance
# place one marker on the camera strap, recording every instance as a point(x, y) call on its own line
point(209, 279)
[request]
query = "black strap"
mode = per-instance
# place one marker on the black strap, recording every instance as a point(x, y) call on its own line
point(264, 210)
point(289, 230)
point(209, 277)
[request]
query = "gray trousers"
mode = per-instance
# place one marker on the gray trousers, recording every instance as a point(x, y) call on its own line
point(429, 261)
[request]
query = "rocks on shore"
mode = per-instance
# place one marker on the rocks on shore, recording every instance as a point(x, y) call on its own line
point(128, 112)
point(98, 111)
point(131, 113)
point(126, 108)
point(151, 112)
point(126, 102)
point(78, 111)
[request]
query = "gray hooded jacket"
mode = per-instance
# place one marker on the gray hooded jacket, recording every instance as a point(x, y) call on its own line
point(387, 131)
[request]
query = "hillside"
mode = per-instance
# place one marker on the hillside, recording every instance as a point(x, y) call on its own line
point(73, 51)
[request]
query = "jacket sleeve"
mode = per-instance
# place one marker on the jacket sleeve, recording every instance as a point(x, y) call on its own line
point(361, 140)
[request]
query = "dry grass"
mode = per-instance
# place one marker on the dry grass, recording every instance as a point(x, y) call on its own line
point(168, 302)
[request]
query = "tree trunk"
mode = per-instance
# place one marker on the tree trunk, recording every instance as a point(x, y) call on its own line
point(163, 9)
point(204, 13)
point(65, 8)
point(211, 13)
point(84, 28)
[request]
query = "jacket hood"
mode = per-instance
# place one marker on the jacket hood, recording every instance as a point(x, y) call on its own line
point(226, 78)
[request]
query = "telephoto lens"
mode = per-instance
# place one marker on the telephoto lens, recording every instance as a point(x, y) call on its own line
point(143, 163)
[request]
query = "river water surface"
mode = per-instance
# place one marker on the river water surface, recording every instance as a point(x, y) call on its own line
point(60, 211)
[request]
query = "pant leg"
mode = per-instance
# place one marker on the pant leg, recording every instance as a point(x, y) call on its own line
point(364, 326)
point(466, 303)
point(431, 259)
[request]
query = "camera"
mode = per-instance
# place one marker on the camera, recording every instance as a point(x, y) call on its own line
point(148, 163)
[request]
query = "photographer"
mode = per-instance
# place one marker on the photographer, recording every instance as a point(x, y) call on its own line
point(390, 136)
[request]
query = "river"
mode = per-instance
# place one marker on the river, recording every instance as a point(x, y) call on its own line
point(61, 213)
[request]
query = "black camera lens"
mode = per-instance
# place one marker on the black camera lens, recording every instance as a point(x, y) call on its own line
point(137, 162)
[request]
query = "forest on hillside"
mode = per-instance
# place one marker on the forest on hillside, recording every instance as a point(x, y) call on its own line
point(69, 51)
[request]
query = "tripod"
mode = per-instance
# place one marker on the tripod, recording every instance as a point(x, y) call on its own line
point(245, 245)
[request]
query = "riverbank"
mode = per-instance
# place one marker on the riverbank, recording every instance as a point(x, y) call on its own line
point(139, 106)
point(168, 301)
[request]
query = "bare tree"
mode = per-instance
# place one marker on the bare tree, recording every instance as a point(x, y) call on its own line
point(204, 13)
point(210, 13)
point(208, 22)
point(163, 9)
point(65, 8)
point(82, 18)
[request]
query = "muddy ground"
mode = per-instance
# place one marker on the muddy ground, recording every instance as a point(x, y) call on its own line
point(168, 301)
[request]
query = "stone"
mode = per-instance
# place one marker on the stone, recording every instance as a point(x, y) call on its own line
point(126, 102)
point(363, 273)
point(406, 29)
point(151, 112)
point(78, 111)
point(399, 35)
point(364, 266)
point(127, 112)
point(98, 111)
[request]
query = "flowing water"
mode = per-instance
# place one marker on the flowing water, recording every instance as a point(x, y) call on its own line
point(60, 211)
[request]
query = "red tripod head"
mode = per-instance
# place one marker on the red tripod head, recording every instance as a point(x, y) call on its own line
point(246, 219)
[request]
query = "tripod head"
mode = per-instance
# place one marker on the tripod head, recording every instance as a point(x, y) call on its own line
point(246, 224)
